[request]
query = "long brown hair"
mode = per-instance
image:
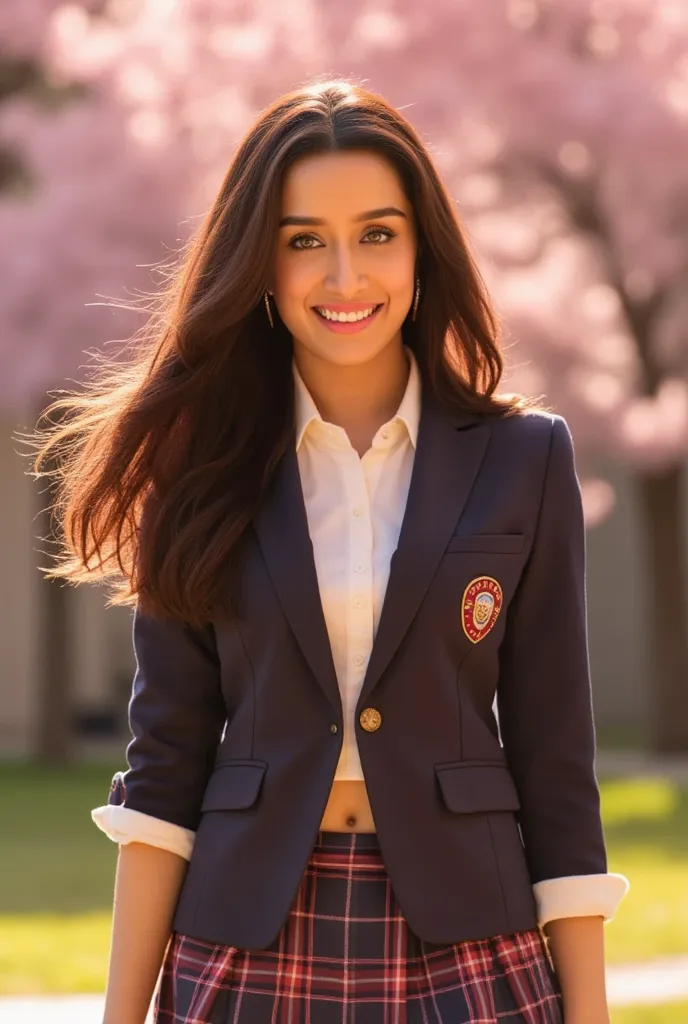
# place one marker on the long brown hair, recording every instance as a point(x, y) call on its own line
point(191, 426)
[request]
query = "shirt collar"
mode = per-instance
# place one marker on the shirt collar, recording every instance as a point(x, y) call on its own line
point(408, 413)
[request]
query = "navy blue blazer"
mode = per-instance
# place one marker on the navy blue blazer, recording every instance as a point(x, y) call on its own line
point(238, 727)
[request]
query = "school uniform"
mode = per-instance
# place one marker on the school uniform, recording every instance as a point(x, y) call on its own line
point(385, 602)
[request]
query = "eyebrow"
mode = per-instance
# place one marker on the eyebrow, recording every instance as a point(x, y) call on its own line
point(384, 211)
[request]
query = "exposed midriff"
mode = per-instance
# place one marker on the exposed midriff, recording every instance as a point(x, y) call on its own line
point(348, 808)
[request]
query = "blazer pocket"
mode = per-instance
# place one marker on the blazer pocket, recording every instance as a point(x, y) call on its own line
point(497, 543)
point(477, 787)
point(234, 786)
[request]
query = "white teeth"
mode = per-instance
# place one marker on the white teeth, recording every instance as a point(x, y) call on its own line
point(343, 318)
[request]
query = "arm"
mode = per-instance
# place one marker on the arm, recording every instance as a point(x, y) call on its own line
point(176, 715)
point(545, 718)
point(577, 948)
point(146, 890)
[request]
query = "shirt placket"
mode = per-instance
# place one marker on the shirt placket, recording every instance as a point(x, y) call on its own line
point(359, 589)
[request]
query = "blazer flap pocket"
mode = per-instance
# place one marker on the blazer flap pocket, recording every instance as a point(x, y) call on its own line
point(496, 543)
point(471, 788)
point(234, 786)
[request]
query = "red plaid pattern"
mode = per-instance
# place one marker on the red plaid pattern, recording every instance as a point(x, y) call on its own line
point(345, 955)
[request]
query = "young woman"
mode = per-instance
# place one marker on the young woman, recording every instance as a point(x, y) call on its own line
point(342, 546)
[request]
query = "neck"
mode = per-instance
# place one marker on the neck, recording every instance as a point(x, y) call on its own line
point(357, 398)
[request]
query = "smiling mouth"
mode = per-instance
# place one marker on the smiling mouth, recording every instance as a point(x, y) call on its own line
point(354, 317)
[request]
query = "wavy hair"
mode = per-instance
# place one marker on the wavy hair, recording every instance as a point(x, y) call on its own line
point(190, 427)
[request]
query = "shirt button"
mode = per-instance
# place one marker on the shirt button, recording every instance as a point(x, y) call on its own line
point(334, 727)
point(385, 434)
point(358, 512)
point(358, 568)
point(358, 659)
point(358, 602)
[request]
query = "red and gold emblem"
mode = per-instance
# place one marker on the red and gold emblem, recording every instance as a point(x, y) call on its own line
point(480, 607)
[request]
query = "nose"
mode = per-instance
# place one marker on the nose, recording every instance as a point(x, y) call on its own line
point(343, 276)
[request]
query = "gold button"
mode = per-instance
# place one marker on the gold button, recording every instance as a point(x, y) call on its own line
point(370, 719)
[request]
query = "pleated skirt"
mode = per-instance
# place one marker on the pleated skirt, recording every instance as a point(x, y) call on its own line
point(345, 955)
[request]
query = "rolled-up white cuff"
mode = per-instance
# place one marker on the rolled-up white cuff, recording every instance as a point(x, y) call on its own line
point(579, 896)
point(125, 825)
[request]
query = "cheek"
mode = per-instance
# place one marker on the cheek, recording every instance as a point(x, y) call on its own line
point(295, 279)
point(396, 271)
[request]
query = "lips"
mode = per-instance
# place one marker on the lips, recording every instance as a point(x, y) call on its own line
point(346, 326)
point(346, 307)
point(347, 310)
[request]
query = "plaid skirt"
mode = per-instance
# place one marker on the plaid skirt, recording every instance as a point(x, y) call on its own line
point(345, 955)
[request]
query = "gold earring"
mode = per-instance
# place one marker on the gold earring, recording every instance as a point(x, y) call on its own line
point(267, 306)
point(416, 299)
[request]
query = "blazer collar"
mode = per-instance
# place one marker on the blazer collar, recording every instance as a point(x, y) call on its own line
point(451, 448)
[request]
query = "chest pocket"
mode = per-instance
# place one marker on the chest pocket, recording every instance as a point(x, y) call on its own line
point(480, 572)
point(487, 543)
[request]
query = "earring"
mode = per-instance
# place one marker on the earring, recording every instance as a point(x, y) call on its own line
point(416, 299)
point(267, 306)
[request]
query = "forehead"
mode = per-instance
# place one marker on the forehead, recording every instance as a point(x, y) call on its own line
point(340, 183)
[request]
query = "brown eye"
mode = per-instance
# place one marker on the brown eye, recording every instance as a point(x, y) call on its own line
point(301, 239)
point(386, 234)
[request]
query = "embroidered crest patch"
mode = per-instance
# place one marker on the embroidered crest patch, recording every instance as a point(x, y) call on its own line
point(480, 607)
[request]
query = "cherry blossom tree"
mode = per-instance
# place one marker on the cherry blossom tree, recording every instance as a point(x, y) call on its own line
point(559, 126)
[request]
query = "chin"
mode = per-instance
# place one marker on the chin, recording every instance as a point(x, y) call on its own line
point(351, 351)
point(347, 350)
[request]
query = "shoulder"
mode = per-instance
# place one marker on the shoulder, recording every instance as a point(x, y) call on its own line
point(532, 432)
point(531, 450)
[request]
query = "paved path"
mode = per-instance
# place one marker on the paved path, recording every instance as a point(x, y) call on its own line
point(53, 1010)
point(659, 981)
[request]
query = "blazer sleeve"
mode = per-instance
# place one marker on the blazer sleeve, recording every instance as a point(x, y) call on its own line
point(176, 715)
point(544, 694)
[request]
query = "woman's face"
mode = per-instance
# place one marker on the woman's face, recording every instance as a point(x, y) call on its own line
point(346, 244)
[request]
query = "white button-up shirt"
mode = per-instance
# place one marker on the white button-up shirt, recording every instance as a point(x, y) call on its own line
point(355, 507)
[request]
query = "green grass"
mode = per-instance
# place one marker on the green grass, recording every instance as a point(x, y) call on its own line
point(57, 874)
point(53, 953)
point(53, 859)
point(646, 825)
point(670, 1013)
point(56, 880)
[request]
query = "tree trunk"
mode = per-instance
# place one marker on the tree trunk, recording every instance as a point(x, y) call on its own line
point(53, 743)
point(54, 732)
point(666, 604)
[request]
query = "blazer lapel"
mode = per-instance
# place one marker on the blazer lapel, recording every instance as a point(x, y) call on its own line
point(449, 453)
point(281, 527)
